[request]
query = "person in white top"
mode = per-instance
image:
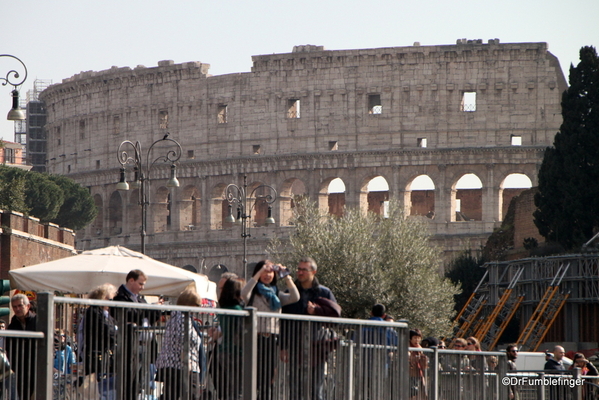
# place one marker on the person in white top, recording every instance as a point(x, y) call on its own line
point(262, 292)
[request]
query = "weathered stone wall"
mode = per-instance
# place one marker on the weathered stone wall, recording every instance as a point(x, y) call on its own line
point(299, 120)
point(524, 225)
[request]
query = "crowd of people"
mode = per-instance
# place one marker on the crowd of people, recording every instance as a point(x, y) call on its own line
point(94, 345)
point(205, 358)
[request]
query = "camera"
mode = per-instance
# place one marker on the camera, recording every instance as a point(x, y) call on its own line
point(283, 272)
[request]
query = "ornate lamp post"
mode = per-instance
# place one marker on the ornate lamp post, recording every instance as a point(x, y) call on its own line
point(12, 78)
point(142, 173)
point(237, 196)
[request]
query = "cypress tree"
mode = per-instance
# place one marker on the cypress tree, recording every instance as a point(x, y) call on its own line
point(568, 198)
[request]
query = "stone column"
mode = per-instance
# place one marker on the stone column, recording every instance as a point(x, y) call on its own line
point(444, 197)
point(175, 212)
point(491, 197)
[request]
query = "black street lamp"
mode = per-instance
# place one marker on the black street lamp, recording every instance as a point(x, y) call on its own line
point(142, 173)
point(16, 113)
point(237, 196)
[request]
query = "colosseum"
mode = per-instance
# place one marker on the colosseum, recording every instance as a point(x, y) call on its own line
point(418, 121)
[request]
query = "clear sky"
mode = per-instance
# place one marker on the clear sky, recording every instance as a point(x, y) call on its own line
point(59, 38)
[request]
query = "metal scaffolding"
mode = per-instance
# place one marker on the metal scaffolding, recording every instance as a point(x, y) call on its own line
point(543, 292)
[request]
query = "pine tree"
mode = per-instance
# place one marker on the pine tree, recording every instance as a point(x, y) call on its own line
point(568, 198)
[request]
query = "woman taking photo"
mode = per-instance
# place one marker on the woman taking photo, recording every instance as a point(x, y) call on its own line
point(262, 292)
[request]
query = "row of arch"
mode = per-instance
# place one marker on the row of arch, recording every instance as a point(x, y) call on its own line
point(186, 208)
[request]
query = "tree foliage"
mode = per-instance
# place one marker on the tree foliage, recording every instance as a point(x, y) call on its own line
point(12, 195)
point(366, 259)
point(50, 198)
point(78, 208)
point(43, 196)
point(465, 271)
point(568, 198)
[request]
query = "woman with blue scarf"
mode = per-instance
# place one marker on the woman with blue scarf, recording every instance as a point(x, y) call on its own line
point(262, 292)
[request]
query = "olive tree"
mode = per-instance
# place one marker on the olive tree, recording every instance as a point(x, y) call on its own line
point(366, 259)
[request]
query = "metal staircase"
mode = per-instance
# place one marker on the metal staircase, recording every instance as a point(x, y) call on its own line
point(545, 313)
point(467, 317)
point(495, 323)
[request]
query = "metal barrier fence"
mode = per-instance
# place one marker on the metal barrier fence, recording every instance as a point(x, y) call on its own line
point(540, 385)
point(226, 354)
point(457, 375)
point(18, 358)
point(92, 349)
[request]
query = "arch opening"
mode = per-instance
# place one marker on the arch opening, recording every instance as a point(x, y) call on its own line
point(421, 197)
point(512, 186)
point(161, 211)
point(468, 204)
point(115, 214)
point(331, 197)
point(189, 209)
point(376, 196)
point(134, 212)
point(292, 191)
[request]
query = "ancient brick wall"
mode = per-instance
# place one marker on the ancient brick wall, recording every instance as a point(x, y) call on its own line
point(24, 241)
point(524, 226)
point(299, 120)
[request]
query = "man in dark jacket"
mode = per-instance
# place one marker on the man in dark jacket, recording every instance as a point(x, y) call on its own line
point(134, 319)
point(556, 363)
point(315, 299)
point(21, 352)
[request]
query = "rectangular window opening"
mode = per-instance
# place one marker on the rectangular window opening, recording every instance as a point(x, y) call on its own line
point(190, 154)
point(516, 140)
point(293, 108)
point(333, 145)
point(163, 119)
point(422, 142)
point(222, 114)
point(375, 106)
point(97, 164)
point(468, 101)
point(257, 149)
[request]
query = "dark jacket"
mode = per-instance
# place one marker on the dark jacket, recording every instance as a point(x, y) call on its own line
point(99, 333)
point(22, 354)
point(134, 315)
point(30, 323)
point(551, 364)
point(317, 294)
point(311, 294)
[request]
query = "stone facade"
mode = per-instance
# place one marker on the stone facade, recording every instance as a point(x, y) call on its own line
point(299, 120)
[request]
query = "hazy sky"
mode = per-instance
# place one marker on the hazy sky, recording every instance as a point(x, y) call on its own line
point(59, 38)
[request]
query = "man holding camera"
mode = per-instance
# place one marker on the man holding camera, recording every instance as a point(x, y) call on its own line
point(315, 299)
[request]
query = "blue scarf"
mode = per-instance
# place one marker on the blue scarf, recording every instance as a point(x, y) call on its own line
point(269, 294)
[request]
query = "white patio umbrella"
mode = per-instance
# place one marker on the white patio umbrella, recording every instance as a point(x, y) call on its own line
point(81, 273)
